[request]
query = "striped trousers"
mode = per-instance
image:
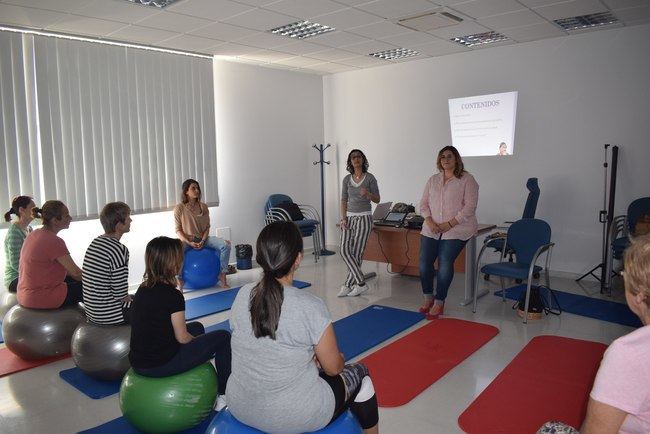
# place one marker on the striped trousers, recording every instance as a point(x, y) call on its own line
point(353, 243)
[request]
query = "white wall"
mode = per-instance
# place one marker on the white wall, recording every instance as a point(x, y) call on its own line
point(575, 94)
point(266, 122)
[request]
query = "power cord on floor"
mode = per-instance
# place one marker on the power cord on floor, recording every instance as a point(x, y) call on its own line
point(408, 259)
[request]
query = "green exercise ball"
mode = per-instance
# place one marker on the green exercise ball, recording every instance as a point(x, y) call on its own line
point(169, 404)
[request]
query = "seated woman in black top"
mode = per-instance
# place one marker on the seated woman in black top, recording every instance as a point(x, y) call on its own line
point(162, 344)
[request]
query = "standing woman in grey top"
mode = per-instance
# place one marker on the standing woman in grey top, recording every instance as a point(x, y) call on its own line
point(288, 374)
point(358, 190)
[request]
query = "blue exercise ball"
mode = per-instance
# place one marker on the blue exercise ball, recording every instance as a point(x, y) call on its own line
point(201, 268)
point(225, 423)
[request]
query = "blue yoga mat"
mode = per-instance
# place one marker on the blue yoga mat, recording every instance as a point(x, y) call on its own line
point(297, 283)
point(219, 301)
point(362, 330)
point(577, 304)
point(120, 425)
point(95, 389)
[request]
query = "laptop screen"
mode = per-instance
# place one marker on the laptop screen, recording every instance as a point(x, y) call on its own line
point(381, 211)
point(396, 217)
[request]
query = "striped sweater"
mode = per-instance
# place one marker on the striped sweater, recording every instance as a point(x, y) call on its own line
point(105, 280)
point(13, 243)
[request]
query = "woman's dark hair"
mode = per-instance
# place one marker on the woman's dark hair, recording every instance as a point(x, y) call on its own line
point(186, 186)
point(364, 166)
point(163, 259)
point(17, 203)
point(52, 209)
point(278, 246)
point(459, 170)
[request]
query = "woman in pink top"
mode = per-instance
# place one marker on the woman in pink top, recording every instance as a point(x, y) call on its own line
point(48, 278)
point(448, 206)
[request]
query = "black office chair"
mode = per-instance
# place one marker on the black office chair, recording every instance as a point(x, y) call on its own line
point(530, 208)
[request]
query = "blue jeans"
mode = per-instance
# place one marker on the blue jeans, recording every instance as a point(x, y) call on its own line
point(446, 251)
point(221, 246)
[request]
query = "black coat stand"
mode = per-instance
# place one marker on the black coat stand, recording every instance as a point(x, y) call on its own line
point(321, 150)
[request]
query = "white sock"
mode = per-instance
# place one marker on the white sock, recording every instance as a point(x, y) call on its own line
point(366, 391)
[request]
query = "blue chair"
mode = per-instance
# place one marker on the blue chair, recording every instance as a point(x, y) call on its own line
point(309, 226)
point(529, 238)
point(620, 232)
point(529, 213)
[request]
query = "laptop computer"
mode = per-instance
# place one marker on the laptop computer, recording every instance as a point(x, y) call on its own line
point(381, 211)
point(395, 219)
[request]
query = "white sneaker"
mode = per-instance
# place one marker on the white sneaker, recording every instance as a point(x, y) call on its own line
point(344, 291)
point(221, 403)
point(358, 290)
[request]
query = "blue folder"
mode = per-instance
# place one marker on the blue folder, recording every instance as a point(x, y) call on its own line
point(577, 304)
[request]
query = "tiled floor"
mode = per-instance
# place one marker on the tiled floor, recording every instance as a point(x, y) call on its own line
point(38, 401)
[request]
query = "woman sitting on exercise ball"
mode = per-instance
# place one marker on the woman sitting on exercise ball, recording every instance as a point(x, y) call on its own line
point(48, 277)
point(22, 207)
point(281, 338)
point(192, 219)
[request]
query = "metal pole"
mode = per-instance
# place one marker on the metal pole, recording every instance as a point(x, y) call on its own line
point(322, 162)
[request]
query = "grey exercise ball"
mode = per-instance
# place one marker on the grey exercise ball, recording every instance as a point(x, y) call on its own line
point(7, 301)
point(102, 351)
point(39, 333)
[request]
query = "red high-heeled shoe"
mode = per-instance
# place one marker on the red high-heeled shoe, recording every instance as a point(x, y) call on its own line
point(426, 307)
point(435, 312)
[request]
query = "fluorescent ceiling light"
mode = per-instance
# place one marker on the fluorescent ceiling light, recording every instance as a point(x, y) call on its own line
point(395, 53)
point(155, 3)
point(586, 21)
point(302, 30)
point(480, 39)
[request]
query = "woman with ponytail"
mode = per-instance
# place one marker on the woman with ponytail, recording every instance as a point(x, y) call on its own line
point(48, 277)
point(162, 344)
point(288, 373)
point(21, 206)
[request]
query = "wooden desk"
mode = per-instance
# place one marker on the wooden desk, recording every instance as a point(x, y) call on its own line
point(400, 247)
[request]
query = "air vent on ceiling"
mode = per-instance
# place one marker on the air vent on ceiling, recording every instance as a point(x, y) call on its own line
point(429, 21)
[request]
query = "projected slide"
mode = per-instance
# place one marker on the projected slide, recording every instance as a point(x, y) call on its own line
point(484, 125)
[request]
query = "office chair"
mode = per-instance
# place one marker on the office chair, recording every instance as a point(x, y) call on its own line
point(529, 238)
point(276, 210)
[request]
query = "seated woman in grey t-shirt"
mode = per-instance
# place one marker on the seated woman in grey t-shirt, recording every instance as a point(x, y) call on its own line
point(288, 375)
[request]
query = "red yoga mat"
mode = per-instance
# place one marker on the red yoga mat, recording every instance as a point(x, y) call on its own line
point(402, 370)
point(11, 363)
point(549, 380)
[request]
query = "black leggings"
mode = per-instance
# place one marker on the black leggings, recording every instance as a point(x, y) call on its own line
point(74, 294)
point(346, 386)
point(201, 349)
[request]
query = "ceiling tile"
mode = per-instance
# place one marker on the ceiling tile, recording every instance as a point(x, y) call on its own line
point(463, 29)
point(305, 9)
point(299, 61)
point(222, 31)
point(538, 3)
point(332, 55)
point(347, 18)
point(85, 26)
point(143, 35)
point(338, 39)
point(260, 19)
point(397, 8)
point(624, 4)
point(231, 49)
point(121, 11)
point(570, 9)
point(28, 17)
point(485, 8)
point(634, 15)
point(534, 32)
point(363, 61)
point(410, 38)
point(173, 22)
point(263, 40)
point(379, 30)
point(257, 3)
point(370, 47)
point(300, 47)
point(266, 56)
point(440, 48)
point(210, 9)
point(51, 5)
point(351, 2)
point(331, 67)
point(189, 42)
point(524, 17)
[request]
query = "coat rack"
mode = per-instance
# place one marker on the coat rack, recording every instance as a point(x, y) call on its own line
point(321, 150)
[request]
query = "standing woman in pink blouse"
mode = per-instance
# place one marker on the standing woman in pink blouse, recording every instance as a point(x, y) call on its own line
point(448, 206)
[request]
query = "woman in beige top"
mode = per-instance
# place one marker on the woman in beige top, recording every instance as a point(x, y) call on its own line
point(193, 226)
